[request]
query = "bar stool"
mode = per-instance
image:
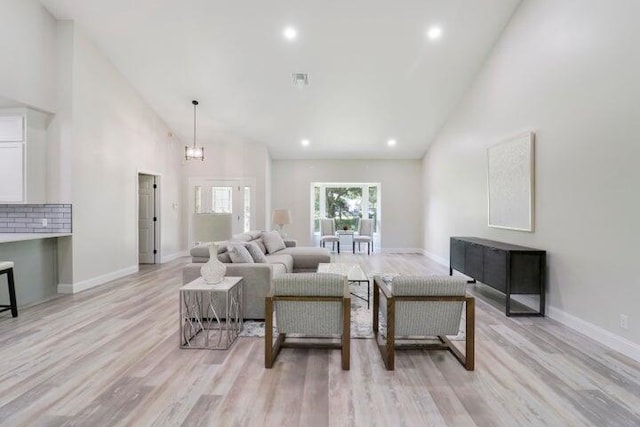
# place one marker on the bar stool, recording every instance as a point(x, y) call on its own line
point(6, 267)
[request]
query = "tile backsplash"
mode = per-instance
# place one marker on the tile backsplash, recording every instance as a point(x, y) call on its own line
point(32, 218)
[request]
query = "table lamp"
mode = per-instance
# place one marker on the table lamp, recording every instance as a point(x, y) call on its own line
point(211, 227)
point(280, 217)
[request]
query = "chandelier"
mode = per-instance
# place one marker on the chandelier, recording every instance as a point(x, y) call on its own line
point(194, 152)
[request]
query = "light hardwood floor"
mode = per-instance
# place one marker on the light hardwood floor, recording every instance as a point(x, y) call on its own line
point(110, 356)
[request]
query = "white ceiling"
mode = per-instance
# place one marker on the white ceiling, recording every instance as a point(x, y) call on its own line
point(374, 74)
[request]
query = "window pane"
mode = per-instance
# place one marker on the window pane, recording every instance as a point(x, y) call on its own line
point(344, 204)
point(247, 209)
point(373, 207)
point(221, 200)
point(198, 199)
point(316, 209)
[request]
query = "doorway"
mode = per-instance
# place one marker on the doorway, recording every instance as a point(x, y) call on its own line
point(231, 195)
point(148, 220)
point(346, 203)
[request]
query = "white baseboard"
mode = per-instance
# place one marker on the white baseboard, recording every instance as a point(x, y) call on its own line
point(171, 257)
point(609, 339)
point(66, 288)
point(436, 258)
point(604, 337)
point(400, 250)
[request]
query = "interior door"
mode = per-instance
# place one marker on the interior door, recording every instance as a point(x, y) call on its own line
point(146, 219)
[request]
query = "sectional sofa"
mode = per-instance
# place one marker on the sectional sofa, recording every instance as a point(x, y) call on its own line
point(258, 276)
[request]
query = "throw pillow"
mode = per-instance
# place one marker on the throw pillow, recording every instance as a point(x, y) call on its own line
point(224, 257)
point(239, 253)
point(273, 241)
point(261, 245)
point(255, 252)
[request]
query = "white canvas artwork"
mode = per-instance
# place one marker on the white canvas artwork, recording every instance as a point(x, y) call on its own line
point(511, 184)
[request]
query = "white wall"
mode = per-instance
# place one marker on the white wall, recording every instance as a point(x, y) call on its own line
point(28, 52)
point(228, 159)
point(567, 70)
point(401, 222)
point(115, 135)
point(101, 135)
point(35, 71)
point(60, 130)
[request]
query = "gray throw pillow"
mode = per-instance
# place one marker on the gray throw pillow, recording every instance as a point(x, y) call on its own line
point(273, 241)
point(224, 257)
point(239, 254)
point(255, 252)
point(261, 245)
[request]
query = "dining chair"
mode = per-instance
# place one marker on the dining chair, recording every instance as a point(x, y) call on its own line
point(365, 235)
point(328, 233)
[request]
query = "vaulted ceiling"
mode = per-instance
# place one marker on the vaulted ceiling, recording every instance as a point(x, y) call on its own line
point(374, 73)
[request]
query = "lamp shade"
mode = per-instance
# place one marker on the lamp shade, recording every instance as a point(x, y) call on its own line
point(281, 216)
point(211, 227)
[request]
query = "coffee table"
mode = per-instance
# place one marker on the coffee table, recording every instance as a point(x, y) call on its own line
point(354, 274)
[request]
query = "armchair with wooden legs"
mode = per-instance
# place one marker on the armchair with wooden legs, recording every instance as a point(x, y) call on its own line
point(314, 305)
point(417, 308)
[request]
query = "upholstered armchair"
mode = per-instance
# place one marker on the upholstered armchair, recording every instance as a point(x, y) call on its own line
point(423, 308)
point(314, 305)
point(365, 235)
point(328, 233)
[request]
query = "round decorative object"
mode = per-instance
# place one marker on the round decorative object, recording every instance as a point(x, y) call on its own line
point(345, 228)
point(213, 271)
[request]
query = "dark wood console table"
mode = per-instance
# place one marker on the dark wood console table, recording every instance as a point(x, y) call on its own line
point(510, 269)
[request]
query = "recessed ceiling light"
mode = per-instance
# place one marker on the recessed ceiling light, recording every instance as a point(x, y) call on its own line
point(305, 142)
point(391, 143)
point(434, 33)
point(290, 33)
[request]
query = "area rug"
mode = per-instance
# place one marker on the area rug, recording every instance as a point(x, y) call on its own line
point(361, 319)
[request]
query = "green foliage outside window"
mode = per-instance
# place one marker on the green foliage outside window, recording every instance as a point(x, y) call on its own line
point(345, 205)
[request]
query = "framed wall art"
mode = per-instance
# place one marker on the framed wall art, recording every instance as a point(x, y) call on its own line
point(510, 179)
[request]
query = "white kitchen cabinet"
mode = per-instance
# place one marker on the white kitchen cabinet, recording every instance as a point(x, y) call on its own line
point(11, 128)
point(23, 156)
point(11, 165)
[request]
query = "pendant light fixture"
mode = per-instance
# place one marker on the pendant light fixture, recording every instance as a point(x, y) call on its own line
point(195, 152)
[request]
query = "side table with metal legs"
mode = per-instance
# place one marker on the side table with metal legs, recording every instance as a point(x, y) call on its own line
point(211, 315)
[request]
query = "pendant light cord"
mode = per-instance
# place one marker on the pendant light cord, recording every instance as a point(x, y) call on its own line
point(195, 104)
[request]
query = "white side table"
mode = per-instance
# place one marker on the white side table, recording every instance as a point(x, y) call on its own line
point(210, 315)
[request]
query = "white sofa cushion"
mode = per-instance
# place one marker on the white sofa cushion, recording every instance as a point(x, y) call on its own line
point(255, 252)
point(273, 241)
point(239, 253)
point(261, 245)
point(285, 260)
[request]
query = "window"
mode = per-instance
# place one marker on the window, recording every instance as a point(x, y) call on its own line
point(373, 207)
point(198, 199)
point(222, 199)
point(346, 203)
point(247, 209)
point(316, 209)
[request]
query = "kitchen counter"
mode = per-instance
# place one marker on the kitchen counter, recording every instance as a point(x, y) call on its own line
point(19, 237)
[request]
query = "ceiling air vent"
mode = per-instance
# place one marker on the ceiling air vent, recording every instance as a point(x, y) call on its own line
point(300, 79)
